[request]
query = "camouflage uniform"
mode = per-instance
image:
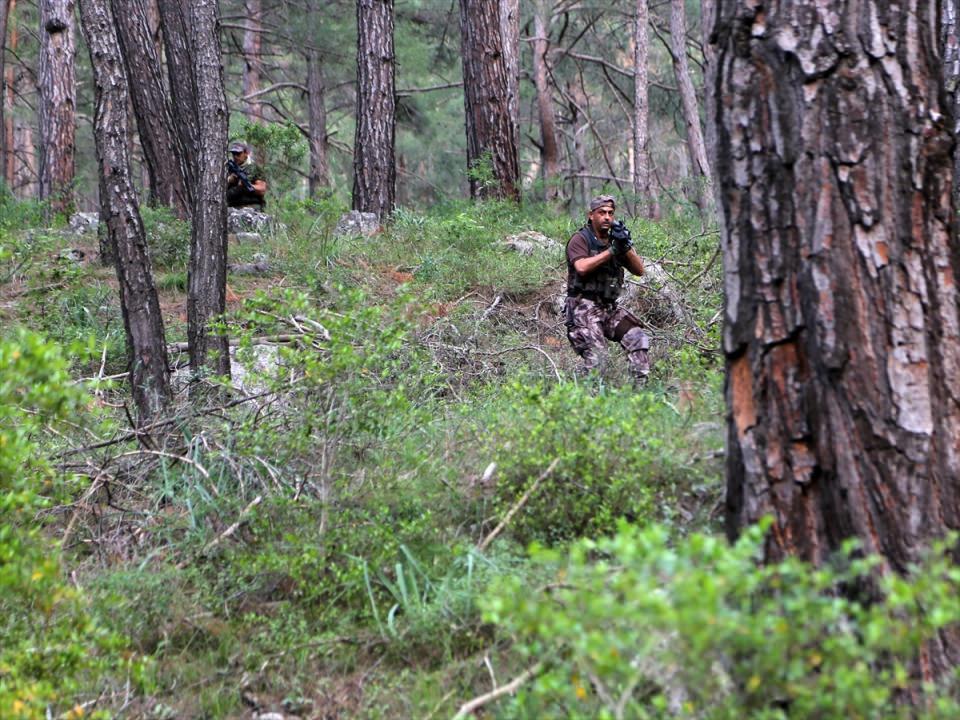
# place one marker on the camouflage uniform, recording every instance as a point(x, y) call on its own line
point(239, 196)
point(591, 312)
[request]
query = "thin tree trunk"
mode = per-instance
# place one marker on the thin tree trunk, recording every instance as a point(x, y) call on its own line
point(7, 158)
point(642, 176)
point(57, 103)
point(842, 333)
point(696, 146)
point(549, 151)
point(950, 33)
point(147, 350)
point(174, 21)
point(491, 133)
point(374, 164)
point(510, 32)
point(207, 274)
point(252, 41)
point(316, 104)
point(162, 150)
point(5, 6)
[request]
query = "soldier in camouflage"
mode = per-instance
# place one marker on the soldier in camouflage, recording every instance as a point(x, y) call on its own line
point(238, 194)
point(596, 257)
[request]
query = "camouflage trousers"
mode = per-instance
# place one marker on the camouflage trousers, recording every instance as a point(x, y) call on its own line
point(591, 324)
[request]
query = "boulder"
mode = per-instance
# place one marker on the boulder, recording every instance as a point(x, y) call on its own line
point(84, 222)
point(247, 220)
point(356, 223)
point(529, 242)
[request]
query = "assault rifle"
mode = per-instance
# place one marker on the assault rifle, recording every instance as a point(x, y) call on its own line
point(241, 175)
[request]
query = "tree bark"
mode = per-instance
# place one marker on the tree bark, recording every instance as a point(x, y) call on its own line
point(162, 149)
point(207, 273)
point(642, 185)
point(319, 178)
point(950, 34)
point(252, 41)
point(374, 165)
point(486, 83)
point(7, 160)
point(146, 347)
point(510, 32)
point(57, 103)
point(688, 99)
point(174, 21)
point(5, 7)
point(549, 150)
point(842, 335)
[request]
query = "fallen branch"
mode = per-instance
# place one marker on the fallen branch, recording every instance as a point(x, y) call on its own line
point(508, 689)
point(517, 506)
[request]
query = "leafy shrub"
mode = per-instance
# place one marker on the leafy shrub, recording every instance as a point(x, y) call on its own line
point(168, 237)
point(50, 644)
point(635, 627)
point(617, 453)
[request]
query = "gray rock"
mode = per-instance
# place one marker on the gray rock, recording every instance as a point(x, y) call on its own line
point(356, 223)
point(84, 222)
point(249, 238)
point(247, 220)
point(529, 242)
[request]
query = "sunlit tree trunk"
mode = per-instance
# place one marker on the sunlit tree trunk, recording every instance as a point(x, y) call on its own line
point(696, 146)
point(57, 103)
point(147, 350)
point(642, 172)
point(549, 150)
point(374, 165)
point(841, 335)
point(162, 149)
point(207, 274)
point(486, 81)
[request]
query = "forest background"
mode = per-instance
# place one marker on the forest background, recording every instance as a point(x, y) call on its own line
point(403, 503)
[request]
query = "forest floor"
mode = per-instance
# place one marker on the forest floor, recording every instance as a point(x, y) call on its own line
point(324, 545)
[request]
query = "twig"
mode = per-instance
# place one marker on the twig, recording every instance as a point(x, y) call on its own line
point(145, 451)
point(230, 530)
point(508, 689)
point(517, 506)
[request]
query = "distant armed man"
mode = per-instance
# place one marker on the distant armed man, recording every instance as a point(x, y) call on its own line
point(596, 257)
point(246, 183)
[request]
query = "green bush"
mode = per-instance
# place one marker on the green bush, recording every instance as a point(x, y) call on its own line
point(618, 455)
point(168, 237)
point(633, 626)
point(51, 647)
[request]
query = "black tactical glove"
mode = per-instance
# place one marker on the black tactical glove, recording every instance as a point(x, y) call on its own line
point(620, 239)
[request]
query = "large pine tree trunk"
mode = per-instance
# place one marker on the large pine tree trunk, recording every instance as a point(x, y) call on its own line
point(642, 171)
point(486, 83)
point(950, 32)
point(207, 274)
point(149, 373)
point(696, 146)
point(549, 149)
point(174, 22)
point(842, 335)
point(510, 32)
point(161, 145)
point(57, 103)
point(374, 166)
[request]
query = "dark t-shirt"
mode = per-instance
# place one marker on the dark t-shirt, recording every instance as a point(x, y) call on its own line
point(577, 248)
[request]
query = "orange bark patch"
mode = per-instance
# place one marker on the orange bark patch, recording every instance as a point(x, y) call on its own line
point(741, 395)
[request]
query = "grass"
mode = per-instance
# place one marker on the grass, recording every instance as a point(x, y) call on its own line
point(355, 582)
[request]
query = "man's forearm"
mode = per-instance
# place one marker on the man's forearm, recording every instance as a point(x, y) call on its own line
point(633, 262)
point(586, 265)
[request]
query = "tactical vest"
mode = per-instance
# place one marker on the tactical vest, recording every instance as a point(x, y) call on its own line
point(603, 284)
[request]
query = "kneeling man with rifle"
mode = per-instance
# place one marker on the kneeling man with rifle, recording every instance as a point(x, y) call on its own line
point(596, 257)
point(246, 183)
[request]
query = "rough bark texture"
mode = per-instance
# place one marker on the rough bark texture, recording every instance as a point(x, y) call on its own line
point(510, 31)
point(252, 36)
point(174, 21)
point(688, 99)
point(162, 150)
point(374, 166)
point(486, 84)
point(549, 149)
point(642, 185)
point(57, 103)
point(4, 15)
point(317, 108)
point(842, 336)
point(207, 274)
point(950, 33)
point(149, 373)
